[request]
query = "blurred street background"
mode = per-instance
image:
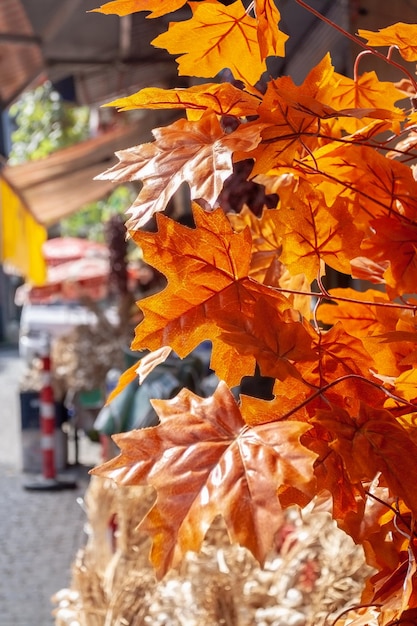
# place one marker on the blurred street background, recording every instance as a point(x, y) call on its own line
point(40, 531)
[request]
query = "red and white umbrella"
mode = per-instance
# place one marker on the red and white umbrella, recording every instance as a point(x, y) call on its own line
point(64, 249)
point(87, 277)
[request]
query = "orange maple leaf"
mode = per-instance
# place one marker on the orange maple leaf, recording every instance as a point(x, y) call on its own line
point(221, 98)
point(356, 312)
point(370, 181)
point(395, 240)
point(215, 38)
point(271, 39)
point(402, 36)
point(338, 355)
point(371, 442)
point(203, 460)
point(126, 7)
point(314, 234)
point(265, 264)
point(277, 340)
point(266, 243)
point(198, 152)
point(207, 270)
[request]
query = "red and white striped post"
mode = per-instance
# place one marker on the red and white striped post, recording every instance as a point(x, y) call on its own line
point(47, 418)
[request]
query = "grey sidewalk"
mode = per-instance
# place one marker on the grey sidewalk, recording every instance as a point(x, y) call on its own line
point(40, 532)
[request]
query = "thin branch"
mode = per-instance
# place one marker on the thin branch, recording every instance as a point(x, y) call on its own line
point(396, 513)
point(358, 42)
point(342, 379)
point(326, 295)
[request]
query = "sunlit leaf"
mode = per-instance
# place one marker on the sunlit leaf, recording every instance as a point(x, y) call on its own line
point(204, 460)
point(222, 99)
point(215, 38)
point(199, 153)
point(402, 36)
point(208, 284)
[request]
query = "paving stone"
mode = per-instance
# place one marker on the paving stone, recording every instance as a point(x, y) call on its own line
point(40, 531)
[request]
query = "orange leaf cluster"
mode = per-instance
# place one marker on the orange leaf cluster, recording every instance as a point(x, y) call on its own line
point(340, 155)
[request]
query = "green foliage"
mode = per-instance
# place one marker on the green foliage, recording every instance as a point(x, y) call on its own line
point(45, 123)
point(90, 221)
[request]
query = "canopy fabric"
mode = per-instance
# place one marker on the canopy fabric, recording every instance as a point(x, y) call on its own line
point(58, 185)
point(93, 58)
point(21, 238)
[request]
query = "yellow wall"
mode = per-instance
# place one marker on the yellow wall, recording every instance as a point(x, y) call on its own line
point(21, 238)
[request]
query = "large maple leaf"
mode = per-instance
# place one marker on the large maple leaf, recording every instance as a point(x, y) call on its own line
point(203, 460)
point(198, 152)
point(207, 270)
point(402, 36)
point(215, 38)
point(221, 98)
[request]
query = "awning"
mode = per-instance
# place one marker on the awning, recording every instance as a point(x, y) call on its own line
point(60, 184)
point(97, 56)
point(21, 238)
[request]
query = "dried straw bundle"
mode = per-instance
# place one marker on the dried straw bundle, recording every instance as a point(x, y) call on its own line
point(315, 573)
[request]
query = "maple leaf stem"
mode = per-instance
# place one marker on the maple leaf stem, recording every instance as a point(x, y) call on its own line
point(357, 61)
point(251, 8)
point(396, 513)
point(342, 379)
point(357, 41)
point(326, 295)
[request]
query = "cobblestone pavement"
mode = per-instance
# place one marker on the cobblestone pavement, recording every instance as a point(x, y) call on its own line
point(40, 531)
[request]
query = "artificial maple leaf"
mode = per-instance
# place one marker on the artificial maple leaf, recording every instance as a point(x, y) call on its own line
point(274, 338)
point(271, 39)
point(366, 269)
point(215, 38)
point(402, 36)
point(406, 385)
point(290, 130)
point(331, 475)
point(338, 355)
point(314, 234)
point(356, 311)
point(378, 185)
point(371, 442)
point(207, 270)
point(199, 153)
point(203, 460)
point(289, 401)
point(221, 98)
point(366, 92)
point(265, 264)
point(266, 243)
point(127, 7)
point(395, 240)
point(407, 147)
